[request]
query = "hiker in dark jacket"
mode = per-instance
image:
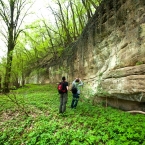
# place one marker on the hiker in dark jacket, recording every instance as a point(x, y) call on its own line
point(63, 96)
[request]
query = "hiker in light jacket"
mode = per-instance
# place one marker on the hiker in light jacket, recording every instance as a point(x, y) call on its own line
point(76, 85)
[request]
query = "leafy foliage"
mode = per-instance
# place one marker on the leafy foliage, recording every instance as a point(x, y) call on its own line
point(85, 125)
point(42, 41)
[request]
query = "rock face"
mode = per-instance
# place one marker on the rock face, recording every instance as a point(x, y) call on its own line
point(110, 55)
point(126, 83)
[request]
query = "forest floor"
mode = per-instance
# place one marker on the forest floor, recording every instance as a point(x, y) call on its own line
point(29, 116)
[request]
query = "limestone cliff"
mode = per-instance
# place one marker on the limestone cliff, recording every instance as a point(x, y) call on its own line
point(109, 56)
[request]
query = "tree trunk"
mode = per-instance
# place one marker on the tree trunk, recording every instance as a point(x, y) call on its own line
point(23, 79)
point(8, 73)
point(16, 83)
point(0, 82)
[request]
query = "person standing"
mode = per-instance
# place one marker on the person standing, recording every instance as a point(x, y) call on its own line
point(76, 88)
point(63, 95)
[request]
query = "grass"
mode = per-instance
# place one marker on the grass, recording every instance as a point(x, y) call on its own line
point(29, 116)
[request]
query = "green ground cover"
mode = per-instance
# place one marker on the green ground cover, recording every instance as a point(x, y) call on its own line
point(29, 116)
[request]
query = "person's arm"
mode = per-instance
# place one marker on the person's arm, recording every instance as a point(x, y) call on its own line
point(80, 83)
point(67, 86)
point(74, 81)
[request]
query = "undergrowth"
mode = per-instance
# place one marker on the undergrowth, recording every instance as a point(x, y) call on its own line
point(86, 125)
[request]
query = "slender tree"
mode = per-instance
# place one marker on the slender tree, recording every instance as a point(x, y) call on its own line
point(12, 18)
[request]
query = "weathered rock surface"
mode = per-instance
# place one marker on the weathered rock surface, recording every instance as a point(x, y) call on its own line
point(124, 72)
point(126, 83)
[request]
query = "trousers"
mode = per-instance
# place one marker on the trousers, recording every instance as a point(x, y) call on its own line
point(63, 101)
point(75, 100)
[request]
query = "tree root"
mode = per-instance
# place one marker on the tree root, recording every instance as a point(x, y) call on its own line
point(136, 111)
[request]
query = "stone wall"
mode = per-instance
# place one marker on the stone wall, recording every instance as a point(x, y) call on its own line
point(109, 56)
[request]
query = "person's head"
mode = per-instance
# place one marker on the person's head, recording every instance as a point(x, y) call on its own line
point(77, 80)
point(63, 78)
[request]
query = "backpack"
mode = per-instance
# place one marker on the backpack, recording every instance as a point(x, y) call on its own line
point(74, 90)
point(61, 88)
